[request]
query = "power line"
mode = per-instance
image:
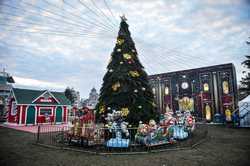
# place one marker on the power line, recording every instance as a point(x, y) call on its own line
point(170, 60)
point(79, 17)
point(35, 23)
point(56, 33)
point(52, 18)
point(110, 11)
point(106, 25)
point(105, 16)
point(171, 50)
point(74, 15)
point(63, 16)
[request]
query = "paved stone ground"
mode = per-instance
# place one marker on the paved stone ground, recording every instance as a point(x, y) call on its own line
point(225, 146)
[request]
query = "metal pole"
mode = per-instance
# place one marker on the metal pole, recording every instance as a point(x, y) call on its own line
point(38, 133)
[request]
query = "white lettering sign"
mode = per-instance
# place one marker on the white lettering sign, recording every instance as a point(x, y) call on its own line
point(46, 100)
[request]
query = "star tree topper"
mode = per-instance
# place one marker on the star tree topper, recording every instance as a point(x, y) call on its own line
point(123, 17)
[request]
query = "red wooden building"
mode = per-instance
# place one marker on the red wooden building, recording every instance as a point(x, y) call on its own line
point(37, 106)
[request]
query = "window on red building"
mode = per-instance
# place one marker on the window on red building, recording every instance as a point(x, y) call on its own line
point(45, 111)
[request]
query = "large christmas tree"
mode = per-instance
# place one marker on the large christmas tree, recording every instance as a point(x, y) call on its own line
point(125, 86)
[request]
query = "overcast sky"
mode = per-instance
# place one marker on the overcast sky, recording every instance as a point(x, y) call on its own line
point(52, 44)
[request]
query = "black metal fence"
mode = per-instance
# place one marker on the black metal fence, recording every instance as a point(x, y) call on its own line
point(94, 140)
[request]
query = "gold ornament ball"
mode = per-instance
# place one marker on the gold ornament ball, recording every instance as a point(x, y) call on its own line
point(127, 56)
point(120, 41)
point(134, 73)
point(116, 86)
point(125, 111)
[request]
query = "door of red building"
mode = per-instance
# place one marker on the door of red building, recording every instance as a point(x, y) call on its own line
point(59, 114)
point(31, 115)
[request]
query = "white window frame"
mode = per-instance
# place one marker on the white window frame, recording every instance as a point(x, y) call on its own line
point(51, 108)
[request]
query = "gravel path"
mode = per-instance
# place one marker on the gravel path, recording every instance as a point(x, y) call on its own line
point(225, 146)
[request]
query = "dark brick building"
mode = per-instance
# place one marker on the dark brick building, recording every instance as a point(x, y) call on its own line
point(208, 89)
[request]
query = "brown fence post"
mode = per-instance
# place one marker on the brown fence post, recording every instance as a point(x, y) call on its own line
point(62, 137)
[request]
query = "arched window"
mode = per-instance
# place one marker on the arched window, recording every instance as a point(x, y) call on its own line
point(205, 87)
point(166, 91)
point(153, 90)
point(225, 87)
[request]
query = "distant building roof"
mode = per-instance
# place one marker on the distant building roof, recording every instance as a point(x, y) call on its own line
point(10, 79)
point(6, 78)
point(27, 96)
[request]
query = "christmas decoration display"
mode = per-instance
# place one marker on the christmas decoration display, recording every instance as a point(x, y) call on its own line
point(118, 128)
point(126, 99)
point(126, 89)
point(168, 131)
point(208, 112)
point(228, 115)
point(186, 104)
point(84, 128)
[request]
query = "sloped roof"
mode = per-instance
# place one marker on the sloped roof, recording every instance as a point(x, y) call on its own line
point(61, 98)
point(27, 96)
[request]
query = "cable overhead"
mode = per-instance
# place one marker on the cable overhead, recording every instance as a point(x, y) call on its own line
point(94, 11)
point(55, 19)
point(57, 34)
point(169, 59)
point(48, 26)
point(100, 10)
point(172, 50)
point(40, 29)
point(71, 23)
point(110, 11)
point(77, 16)
point(62, 16)
point(37, 30)
point(172, 60)
point(106, 25)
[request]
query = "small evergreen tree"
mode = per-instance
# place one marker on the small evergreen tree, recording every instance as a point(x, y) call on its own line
point(125, 86)
point(245, 81)
point(70, 94)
